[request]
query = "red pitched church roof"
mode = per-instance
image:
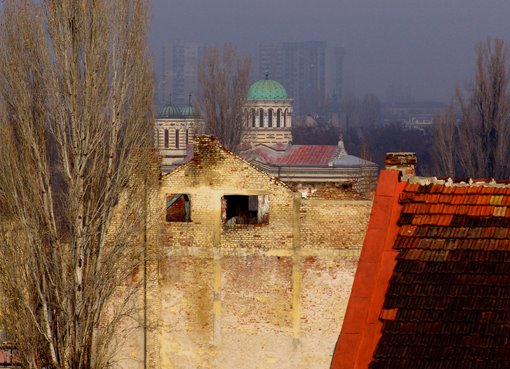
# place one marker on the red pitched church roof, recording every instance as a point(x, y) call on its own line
point(320, 155)
point(432, 289)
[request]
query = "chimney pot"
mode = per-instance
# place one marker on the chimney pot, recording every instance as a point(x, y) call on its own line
point(405, 162)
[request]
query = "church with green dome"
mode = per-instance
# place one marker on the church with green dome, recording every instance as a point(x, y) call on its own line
point(268, 112)
point(267, 89)
point(266, 142)
point(174, 130)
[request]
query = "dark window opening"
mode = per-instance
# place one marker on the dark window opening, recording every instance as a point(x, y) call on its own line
point(278, 117)
point(285, 118)
point(166, 138)
point(253, 116)
point(270, 118)
point(261, 118)
point(176, 138)
point(240, 209)
point(178, 208)
point(187, 136)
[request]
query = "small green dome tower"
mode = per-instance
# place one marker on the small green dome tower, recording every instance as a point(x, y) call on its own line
point(267, 89)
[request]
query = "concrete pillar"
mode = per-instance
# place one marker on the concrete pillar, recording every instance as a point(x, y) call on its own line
point(217, 298)
point(296, 272)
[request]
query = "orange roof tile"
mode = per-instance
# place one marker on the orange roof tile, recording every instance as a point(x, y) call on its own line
point(442, 301)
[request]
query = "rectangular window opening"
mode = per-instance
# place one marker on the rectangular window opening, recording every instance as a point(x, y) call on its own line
point(178, 207)
point(242, 209)
point(166, 138)
point(176, 138)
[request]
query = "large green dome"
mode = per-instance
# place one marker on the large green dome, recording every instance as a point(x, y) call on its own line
point(174, 112)
point(266, 89)
point(170, 111)
point(189, 111)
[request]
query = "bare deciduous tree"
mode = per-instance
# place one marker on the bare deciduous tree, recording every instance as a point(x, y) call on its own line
point(365, 152)
point(350, 107)
point(479, 145)
point(223, 79)
point(444, 141)
point(370, 114)
point(76, 93)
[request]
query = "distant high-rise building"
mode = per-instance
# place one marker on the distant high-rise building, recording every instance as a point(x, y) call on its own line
point(179, 75)
point(311, 71)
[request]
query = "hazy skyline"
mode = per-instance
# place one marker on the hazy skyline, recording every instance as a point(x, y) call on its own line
point(425, 45)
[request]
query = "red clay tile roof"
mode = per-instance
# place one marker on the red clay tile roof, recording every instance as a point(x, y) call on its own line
point(447, 293)
point(320, 155)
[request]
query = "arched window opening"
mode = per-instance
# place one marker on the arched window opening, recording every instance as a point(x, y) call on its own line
point(278, 117)
point(166, 139)
point(176, 138)
point(285, 118)
point(253, 117)
point(270, 118)
point(187, 136)
point(261, 118)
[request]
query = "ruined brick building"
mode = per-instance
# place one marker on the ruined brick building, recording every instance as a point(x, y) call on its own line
point(250, 273)
point(251, 258)
point(254, 254)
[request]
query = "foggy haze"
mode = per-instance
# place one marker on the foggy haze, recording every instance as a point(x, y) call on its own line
point(426, 45)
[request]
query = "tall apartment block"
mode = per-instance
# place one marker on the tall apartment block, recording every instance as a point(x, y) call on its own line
point(179, 75)
point(311, 71)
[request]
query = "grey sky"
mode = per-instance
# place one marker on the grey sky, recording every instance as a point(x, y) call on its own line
point(424, 44)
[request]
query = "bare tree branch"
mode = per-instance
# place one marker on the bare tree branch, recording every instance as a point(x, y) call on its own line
point(75, 84)
point(444, 126)
point(480, 145)
point(223, 77)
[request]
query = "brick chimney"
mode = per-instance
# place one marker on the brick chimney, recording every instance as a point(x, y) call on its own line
point(203, 144)
point(405, 162)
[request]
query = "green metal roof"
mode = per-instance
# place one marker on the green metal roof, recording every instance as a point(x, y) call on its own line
point(170, 111)
point(174, 112)
point(266, 89)
point(189, 111)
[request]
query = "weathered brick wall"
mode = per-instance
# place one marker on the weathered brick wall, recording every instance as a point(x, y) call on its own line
point(251, 296)
point(215, 173)
point(257, 315)
point(257, 294)
point(185, 329)
point(326, 285)
point(334, 224)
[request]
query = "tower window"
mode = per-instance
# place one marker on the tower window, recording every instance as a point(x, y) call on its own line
point(166, 138)
point(187, 136)
point(176, 138)
point(261, 118)
point(253, 117)
point(285, 118)
point(278, 117)
point(270, 118)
